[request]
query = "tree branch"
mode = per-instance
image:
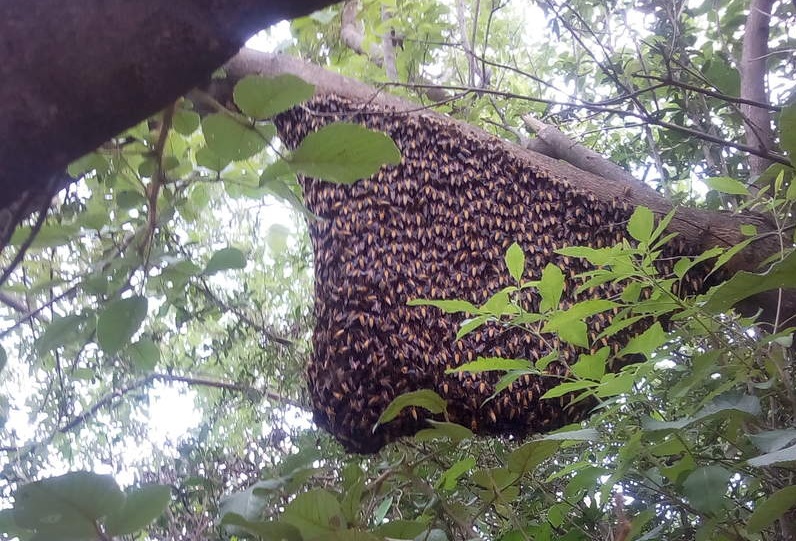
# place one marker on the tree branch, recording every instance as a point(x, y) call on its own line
point(111, 399)
point(774, 157)
point(753, 84)
point(77, 73)
point(552, 142)
point(352, 34)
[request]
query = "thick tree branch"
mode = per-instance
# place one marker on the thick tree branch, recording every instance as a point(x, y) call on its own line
point(550, 141)
point(598, 108)
point(77, 73)
point(757, 120)
point(698, 227)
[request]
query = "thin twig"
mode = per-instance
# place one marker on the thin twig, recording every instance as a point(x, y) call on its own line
point(28, 241)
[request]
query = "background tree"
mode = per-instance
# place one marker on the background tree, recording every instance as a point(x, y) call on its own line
point(164, 268)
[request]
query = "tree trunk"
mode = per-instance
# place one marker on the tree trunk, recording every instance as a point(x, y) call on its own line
point(757, 120)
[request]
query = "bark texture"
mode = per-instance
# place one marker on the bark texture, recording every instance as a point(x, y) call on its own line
point(76, 73)
point(757, 120)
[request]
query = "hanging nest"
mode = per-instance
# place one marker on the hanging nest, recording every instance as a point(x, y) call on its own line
point(437, 226)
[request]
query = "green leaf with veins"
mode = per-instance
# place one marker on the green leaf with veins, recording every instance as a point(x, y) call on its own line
point(120, 320)
point(265, 97)
point(344, 153)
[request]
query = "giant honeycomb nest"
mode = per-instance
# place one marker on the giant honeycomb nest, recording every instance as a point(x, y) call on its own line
point(437, 226)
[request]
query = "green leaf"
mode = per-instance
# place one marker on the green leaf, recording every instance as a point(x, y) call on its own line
point(401, 529)
point(787, 130)
point(557, 513)
point(423, 398)
point(596, 256)
point(225, 259)
point(515, 261)
point(344, 153)
point(278, 172)
point(229, 139)
point(773, 440)
point(10, 528)
point(577, 312)
point(727, 404)
point(575, 333)
point(67, 505)
point(450, 477)
point(185, 122)
point(530, 455)
point(444, 430)
point(59, 331)
point(583, 434)
point(350, 535)
point(144, 354)
point(315, 513)
point(448, 307)
point(276, 238)
point(545, 361)
point(469, 325)
point(771, 509)
point(661, 227)
point(569, 387)
point(209, 159)
point(382, 510)
point(93, 161)
point(495, 479)
point(507, 379)
point(119, 321)
point(684, 264)
point(485, 364)
point(730, 253)
point(85, 374)
point(591, 366)
point(641, 224)
point(48, 236)
point(790, 195)
point(142, 506)
point(265, 97)
point(647, 342)
point(616, 384)
point(748, 230)
point(781, 457)
point(268, 530)
point(743, 284)
point(499, 304)
point(551, 286)
point(585, 480)
point(726, 185)
point(706, 488)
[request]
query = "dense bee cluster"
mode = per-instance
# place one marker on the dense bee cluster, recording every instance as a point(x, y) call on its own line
point(437, 226)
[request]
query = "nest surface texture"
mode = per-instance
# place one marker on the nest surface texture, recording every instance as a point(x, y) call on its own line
point(437, 226)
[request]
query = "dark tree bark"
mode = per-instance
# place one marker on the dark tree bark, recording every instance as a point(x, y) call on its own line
point(76, 73)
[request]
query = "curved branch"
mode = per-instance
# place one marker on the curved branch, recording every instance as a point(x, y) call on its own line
point(77, 73)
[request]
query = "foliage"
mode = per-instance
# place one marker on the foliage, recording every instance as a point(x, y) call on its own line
point(175, 264)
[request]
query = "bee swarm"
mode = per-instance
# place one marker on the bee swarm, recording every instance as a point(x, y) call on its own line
point(437, 226)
